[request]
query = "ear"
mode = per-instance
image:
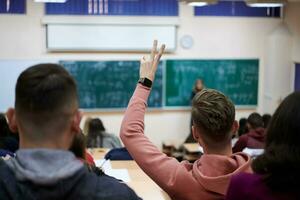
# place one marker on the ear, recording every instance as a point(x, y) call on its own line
point(197, 136)
point(235, 127)
point(195, 133)
point(76, 122)
point(12, 122)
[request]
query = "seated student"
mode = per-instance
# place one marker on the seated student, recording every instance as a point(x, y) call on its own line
point(78, 147)
point(242, 127)
point(9, 142)
point(255, 138)
point(266, 119)
point(277, 171)
point(85, 129)
point(47, 118)
point(97, 137)
point(214, 122)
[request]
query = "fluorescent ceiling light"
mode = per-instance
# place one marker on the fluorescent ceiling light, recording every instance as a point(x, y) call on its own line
point(50, 1)
point(266, 3)
point(200, 2)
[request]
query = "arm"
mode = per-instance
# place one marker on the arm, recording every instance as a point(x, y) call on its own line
point(158, 166)
point(162, 169)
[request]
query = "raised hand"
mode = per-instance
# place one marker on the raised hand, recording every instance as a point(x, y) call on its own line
point(149, 63)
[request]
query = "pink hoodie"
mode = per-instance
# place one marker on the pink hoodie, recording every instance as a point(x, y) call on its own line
point(207, 178)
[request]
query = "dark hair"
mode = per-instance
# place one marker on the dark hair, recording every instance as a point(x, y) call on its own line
point(214, 114)
point(78, 146)
point(4, 129)
point(266, 118)
point(280, 163)
point(255, 121)
point(242, 126)
point(46, 98)
point(96, 128)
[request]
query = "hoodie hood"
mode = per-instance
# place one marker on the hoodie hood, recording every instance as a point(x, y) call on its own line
point(214, 172)
point(44, 166)
point(258, 134)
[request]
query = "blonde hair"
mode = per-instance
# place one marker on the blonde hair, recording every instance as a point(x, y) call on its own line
point(214, 114)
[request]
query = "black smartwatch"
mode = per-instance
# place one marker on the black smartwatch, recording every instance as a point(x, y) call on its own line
point(146, 82)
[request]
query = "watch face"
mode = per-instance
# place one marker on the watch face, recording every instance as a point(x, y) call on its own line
point(186, 42)
point(145, 82)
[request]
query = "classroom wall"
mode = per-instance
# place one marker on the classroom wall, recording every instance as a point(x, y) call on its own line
point(278, 67)
point(23, 37)
point(292, 19)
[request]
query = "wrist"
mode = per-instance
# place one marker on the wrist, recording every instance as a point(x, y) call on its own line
point(145, 82)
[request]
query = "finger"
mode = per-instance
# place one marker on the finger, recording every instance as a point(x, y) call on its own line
point(161, 51)
point(154, 49)
point(143, 59)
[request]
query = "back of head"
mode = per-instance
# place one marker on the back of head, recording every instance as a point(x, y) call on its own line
point(266, 118)
point(46, 99)
point(255, 121)
point(213, 114)
point(281, 161)
point(95, 126)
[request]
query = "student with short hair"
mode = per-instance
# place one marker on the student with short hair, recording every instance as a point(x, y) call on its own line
point(97, 136)
point(213, 125)
point(276, 172)
point(255, 138)
point(242, 127)
point(266, 118)
point(47, 118)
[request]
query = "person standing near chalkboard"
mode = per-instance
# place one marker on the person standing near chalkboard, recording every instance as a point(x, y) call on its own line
point(198, 87)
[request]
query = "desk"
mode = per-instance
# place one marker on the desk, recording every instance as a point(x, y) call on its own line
point(193, 148)
point(139, 181)
point(192, 151)
point(98, 153)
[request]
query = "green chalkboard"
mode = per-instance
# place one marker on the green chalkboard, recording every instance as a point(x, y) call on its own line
point(238, 79)
point(110, 84)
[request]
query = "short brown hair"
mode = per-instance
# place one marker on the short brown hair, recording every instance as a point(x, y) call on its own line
point(214, 114)
point(46, 96)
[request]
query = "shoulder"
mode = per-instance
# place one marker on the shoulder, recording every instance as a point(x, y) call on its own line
point(110, 136)
point(107, 135)
point(245, 178)
point(242, 184)
point(244, 137)
point(106, 187)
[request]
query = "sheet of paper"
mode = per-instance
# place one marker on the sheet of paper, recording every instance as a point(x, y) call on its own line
point(104, 164)
point(201, 149)
point(253, 152)
point(120, 174)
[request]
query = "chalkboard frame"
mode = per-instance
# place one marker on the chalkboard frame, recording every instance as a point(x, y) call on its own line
point(164, 80)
